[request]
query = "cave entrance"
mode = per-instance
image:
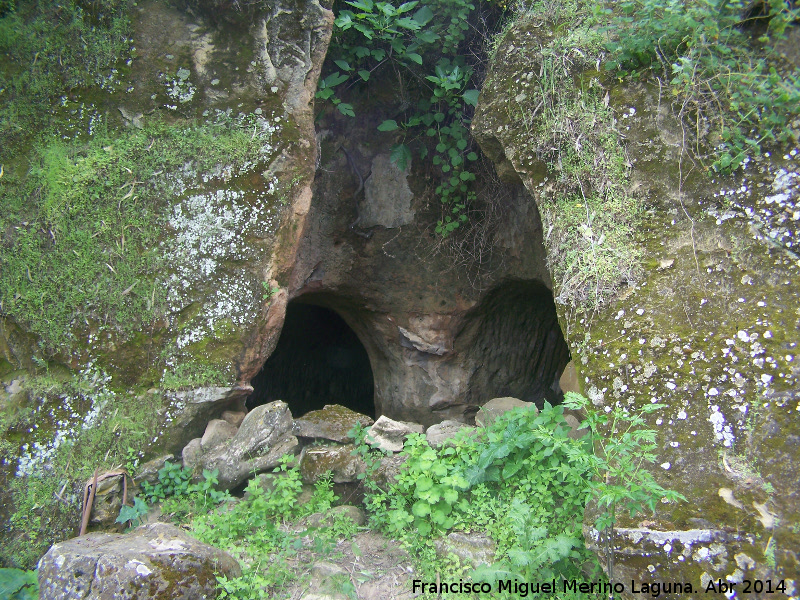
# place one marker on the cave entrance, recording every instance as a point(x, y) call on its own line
point(514, 339)
point(318, 360)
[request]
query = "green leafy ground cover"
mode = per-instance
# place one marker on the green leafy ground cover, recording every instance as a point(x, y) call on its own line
point(524, 481)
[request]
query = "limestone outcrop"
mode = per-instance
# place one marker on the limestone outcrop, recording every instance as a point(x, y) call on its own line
point(707, 327)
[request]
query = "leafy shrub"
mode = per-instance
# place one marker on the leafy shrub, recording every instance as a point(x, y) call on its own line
point(250, 531)
point(444, 117)
point(729, 92)
point(129, 514)
point(175, 481)
point(526, 481)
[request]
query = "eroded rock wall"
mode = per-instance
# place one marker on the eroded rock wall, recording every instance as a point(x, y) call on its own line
point(710, 329)
point(442, 337)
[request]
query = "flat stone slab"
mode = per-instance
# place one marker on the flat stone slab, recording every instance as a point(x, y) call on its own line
point(330, 423)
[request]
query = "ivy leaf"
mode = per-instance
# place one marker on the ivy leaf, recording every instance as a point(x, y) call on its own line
point(389, 125)
point(414, 57)
point(346, 109)
point(407, 6)
point(365, 31)
point(423, 17)
point(343, 64)
point(333, 79)
point(365, 5)
point(378, 54)
point(401, 156)
point(471, 97)
point(427, 37)
point(363, 74)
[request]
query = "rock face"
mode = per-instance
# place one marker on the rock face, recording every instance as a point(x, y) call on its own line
point(709, 329)
point(387, 197)
point(157, 562)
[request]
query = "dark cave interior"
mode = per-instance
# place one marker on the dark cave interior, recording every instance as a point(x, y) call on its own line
point(318, 360)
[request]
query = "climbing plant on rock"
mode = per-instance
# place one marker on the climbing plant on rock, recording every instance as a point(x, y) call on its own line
point(414, 37)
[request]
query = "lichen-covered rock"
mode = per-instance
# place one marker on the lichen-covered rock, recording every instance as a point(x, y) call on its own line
point(708, 328)
point(333, 422)
point(316, 461)
point(495, 407)
point(264, 436)
point(388, 434)
point(154, 562)
point(441, 432)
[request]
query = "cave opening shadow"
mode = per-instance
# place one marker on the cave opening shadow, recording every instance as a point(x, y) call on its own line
point(318, 360)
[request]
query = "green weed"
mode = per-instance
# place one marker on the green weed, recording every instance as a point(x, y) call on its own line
point(16, 584)
point(526, 482)
point(251, 531)
point(190, 374)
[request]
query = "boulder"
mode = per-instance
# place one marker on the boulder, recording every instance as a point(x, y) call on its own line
point(217, 431)
point(194, 409)
point(258, 445)
point(149, 471)
point(390, 435)
point(388, 470)
point(490, 411)
point(191, 454)
point(108, 501)
point(315, 461)
point(441, 432)
point(355, 514)
point(234, 417)
point(331, 423)
point(156, 561)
